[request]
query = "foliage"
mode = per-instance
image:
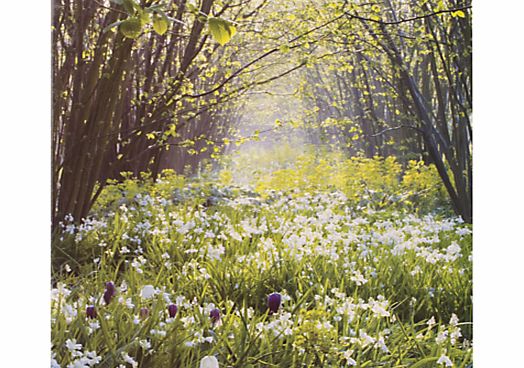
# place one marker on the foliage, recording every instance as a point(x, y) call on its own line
point(130, 187)
point(391, 78)
point(125, 76)
point(221, 29)
point(377, 182)
point(172, 96)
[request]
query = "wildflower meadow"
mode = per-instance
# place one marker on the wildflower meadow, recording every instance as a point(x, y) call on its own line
point(254, 183)
point(200, 273)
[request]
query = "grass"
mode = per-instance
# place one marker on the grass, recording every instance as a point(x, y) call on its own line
point(361, 286)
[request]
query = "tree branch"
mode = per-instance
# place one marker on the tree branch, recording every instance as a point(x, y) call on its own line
point(379, 21)
point(394, 128)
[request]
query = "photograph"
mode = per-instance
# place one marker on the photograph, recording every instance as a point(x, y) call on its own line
point(257, 183)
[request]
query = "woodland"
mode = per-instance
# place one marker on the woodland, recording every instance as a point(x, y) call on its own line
point(256, 183)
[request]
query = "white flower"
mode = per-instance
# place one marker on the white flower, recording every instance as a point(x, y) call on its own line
point(441, 337)
point(93, 326)
point(147, 291)
point(358, 278)
point(54, 363)
point(416, 270)
point(72, 346)
point(91, 358)
point(350, 360)
point(453, 249)
point(379, 309)
point(445, 360)
point(129, 360)
point(365, 339)
point(60, 291)
point(382, 345)
point(455, 335)
point(129, 303)
point(209, 362)
point(463, 231)
point(145, 344)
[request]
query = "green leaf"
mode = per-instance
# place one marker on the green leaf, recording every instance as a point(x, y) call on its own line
point(458, 13)
point(284, 48)
point(160, 24)
point(131, 28)
point(424, 362)
point(129, 6)
point(192, 8)
point(221, 30)
point(144, 16)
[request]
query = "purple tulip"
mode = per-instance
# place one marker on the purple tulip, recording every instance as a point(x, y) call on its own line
point(110, 286)
point(214, 314)
point(273, 302)
point(144, 313)
point(91, 311)
point(110, 291)
point(172, 309)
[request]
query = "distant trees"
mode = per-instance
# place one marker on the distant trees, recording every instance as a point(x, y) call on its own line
point(401, 85)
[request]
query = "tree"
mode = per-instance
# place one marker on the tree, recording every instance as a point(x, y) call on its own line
point(400, 84)
point(123, 80)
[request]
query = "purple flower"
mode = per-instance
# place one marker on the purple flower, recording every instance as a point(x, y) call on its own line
point(172, 309)
point(110, 287)
point(144, 313)
point(273, 302)
point(110, 291)
point(91, 311)
point(214, 314)
point(107, 296)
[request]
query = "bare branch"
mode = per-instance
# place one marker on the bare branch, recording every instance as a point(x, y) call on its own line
point(408, 19)
point(393, 129)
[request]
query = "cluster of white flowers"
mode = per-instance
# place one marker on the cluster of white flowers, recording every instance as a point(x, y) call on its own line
point(281, 325)
point(451, 334)
point(444, 360)
point(80, 359)
point(128, 359)
point(214, 252)
point(199, 338)
point(309, 228)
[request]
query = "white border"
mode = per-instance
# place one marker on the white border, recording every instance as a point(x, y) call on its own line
point(25, 183)
point(498, 183)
